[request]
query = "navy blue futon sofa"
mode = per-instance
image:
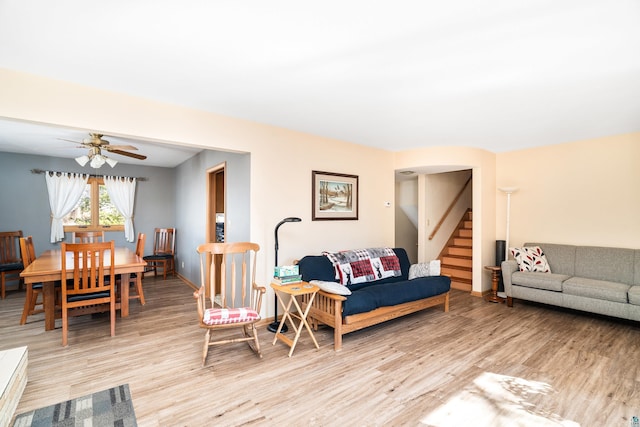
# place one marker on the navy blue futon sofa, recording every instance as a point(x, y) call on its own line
point(372, 302)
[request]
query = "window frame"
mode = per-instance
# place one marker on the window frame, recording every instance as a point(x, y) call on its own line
point(95, 182)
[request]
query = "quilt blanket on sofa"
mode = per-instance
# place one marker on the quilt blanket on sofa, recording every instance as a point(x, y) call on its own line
point(364, 265)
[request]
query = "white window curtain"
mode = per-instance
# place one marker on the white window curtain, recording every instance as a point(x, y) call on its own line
point(122, 193)
point(65, 190)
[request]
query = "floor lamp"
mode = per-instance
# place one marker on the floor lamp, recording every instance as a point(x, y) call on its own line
point(508, 191)
point(273, 327)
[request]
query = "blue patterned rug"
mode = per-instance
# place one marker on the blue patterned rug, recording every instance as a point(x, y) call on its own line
point(112, 407)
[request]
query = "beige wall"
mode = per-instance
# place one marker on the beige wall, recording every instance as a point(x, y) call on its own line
point(584, 193)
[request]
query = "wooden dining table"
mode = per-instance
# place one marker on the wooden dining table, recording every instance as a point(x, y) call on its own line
point(47, 268)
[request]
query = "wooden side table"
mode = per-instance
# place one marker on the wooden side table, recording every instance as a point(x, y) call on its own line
point(293, 291)
point(495, 279)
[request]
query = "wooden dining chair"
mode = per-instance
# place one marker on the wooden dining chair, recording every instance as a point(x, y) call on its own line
point(87, 236)
point(164, 243)
point(236, 301)
point(34, 290)
point(10, 261)
point(92, 289)
point(135, 279)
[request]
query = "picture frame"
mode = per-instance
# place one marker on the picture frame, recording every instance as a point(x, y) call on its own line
point(334, 196)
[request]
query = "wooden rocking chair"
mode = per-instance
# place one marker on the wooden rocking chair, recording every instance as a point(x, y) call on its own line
point(235, 302)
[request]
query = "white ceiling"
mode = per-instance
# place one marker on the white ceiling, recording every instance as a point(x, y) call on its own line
point(42, 140)
point(499, 74)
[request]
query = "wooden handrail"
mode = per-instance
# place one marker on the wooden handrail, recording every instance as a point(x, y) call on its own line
point(448, 211)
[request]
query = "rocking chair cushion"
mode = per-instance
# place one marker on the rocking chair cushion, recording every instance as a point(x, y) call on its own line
point(224, 316)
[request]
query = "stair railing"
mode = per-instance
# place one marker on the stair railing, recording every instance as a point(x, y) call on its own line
point(449, 209)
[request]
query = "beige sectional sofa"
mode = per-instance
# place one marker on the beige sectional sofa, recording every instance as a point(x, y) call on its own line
point(588, 278)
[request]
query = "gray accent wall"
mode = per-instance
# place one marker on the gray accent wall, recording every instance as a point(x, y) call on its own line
point(171, 197)
point(29, 210)
point(191, 199)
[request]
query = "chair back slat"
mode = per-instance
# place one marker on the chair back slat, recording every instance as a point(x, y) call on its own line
point(164, 241)
point(10, 246)
point(236, 269)
point(89, 262)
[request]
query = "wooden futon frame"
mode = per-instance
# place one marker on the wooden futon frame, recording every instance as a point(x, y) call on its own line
point(327, 309)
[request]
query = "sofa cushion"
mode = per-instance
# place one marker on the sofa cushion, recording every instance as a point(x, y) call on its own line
point(316, 267)
point(378, 295)
point(634, 295)
point(546, 281)
point(600, 263)
point(531, 259)
point(598, 289)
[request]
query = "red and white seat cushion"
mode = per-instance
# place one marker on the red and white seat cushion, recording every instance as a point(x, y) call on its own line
point(225, 316)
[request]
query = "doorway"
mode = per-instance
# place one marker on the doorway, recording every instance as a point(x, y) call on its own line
point(216, 215)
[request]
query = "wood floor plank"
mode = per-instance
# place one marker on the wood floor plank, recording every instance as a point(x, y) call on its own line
point(488, 363)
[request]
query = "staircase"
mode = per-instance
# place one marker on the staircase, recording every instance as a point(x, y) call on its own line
point(455, 258)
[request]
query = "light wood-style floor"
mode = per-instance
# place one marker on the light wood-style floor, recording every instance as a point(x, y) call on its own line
point(481, 364)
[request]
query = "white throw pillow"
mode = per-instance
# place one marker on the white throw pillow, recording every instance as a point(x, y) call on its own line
point(331, 287)
point(424, 269)
point(434, 267)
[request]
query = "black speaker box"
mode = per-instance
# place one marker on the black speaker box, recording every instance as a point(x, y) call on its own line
point(500, 249)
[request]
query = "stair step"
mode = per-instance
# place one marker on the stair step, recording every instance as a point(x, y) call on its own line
point(460, 285)
point(464, 232)
point(461, 241)
point(456, 272)
point(457, 260)
point(460, 251)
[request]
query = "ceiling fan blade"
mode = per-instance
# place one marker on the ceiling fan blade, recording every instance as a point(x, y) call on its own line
point(126, 153)
point(70, 140)
point(118, 147)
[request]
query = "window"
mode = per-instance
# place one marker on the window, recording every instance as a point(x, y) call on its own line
point(94, 211)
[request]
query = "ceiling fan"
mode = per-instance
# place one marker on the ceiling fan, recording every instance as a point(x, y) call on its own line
point(96, 144)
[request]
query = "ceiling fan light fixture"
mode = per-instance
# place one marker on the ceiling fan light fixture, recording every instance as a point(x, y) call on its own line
point(111, 162)
point(82, 160)
point(97, 161)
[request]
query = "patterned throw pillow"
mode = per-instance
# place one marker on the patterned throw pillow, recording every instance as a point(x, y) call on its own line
point(531, 258)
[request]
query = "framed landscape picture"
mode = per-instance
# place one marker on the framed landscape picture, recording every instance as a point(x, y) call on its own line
point(334, 196)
